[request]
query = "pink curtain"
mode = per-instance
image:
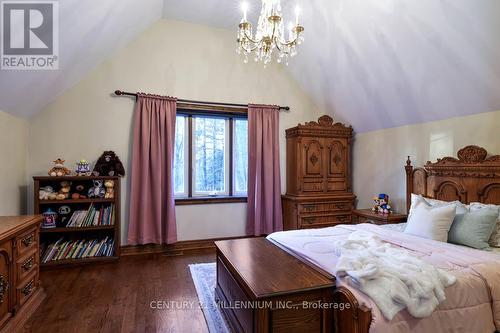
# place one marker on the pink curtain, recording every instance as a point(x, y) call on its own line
point(152, 205)
point(264, 184)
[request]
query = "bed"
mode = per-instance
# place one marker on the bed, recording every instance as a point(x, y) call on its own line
point(473, 176)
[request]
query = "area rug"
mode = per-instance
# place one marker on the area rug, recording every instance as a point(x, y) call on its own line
point(204, 278)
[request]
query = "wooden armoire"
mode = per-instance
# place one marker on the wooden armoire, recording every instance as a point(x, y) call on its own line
point(318, 179)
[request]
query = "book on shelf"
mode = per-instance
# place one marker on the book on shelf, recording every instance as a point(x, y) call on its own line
point(77, 249)
point(92, 217)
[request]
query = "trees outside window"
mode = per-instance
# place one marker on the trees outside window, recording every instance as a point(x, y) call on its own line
point(215, 150)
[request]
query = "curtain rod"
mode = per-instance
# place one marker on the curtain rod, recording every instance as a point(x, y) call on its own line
point(124, 93)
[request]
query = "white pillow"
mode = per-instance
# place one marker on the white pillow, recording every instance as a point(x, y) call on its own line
point(431, 222)
point(461, 208)
point(495, 236)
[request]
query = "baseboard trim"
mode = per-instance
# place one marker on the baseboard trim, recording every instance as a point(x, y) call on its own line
point(177, 248)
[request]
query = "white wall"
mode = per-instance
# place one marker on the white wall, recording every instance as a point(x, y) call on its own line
point(13, 150)
point(173, 58)
point(379, 157)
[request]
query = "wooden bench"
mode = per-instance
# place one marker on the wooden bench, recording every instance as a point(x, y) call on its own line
point(261, 288)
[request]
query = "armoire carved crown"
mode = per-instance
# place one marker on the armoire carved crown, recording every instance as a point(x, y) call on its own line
point(324, 126)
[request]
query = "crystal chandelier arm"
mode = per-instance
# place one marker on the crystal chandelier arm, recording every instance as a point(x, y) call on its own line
point(273, 37)
point(283, 50)
point(298, 30)
point(285, 43)
point(250, 39)
point(251, 49)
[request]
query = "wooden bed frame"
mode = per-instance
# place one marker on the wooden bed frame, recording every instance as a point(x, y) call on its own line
point(472, 177)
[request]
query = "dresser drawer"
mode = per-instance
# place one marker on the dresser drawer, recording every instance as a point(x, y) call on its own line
point(26, 242)
point(26, 288)
point(316, 207)
point(27, 264)
point(321, 221)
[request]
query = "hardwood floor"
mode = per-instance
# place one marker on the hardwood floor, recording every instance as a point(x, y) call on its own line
point(116, 297)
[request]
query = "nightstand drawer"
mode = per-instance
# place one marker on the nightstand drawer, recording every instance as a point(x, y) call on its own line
point(306, 208)
point(321, 221)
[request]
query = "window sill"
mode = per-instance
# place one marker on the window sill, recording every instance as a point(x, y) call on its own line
point(208, 200)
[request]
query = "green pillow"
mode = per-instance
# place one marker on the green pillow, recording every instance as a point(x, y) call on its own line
point(473, 229)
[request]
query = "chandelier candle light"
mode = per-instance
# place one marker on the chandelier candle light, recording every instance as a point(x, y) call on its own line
point(270, 36)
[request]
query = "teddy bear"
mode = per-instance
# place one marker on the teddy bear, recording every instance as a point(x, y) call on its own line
point(109, 164)
point(64, 191)
point(110, 189)
point(59, 169)
point(78, 194)
point(46, 193)
point(96, 191)
point(381, 204)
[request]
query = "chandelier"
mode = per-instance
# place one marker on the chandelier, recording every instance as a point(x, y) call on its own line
point(270, 37)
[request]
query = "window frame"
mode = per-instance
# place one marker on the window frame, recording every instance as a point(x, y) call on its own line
point(230, 195)
point(185, 193)
point(233, 166)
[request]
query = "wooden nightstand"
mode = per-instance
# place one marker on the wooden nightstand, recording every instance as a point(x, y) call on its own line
point(368, 216)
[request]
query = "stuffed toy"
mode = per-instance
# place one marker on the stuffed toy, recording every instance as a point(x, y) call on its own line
point(96, 191)
point(59, 170)
point(110, 189)
point(83, 168)
point(46, 193)
point(64, 191)
point(381, 204)
point(78, 194)
point(64, 215)
point(109, 164)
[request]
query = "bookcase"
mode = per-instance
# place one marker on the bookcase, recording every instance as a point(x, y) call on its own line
point(94, 234)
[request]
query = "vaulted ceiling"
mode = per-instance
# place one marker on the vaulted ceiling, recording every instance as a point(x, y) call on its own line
point(372, 63)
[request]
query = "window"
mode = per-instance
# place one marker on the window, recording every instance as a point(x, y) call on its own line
point(210, 157)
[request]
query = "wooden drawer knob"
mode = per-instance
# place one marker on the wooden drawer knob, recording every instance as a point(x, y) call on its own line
point(28, 264)
point(309, 219)
point(343, 218)
point(27, 289)
point(309, 207)
point(28, 239)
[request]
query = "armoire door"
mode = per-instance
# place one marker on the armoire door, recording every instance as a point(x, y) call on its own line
point(313, 165)
point(336, 164)
point(5, 278)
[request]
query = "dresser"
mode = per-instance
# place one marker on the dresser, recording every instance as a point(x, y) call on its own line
point(318, 178)
point(20, 290)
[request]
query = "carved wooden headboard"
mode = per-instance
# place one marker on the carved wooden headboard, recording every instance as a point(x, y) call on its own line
point(473, 177)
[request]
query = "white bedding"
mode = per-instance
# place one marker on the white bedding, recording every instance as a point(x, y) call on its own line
point(392, 277)
point(474, 295)
point(396, 227)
